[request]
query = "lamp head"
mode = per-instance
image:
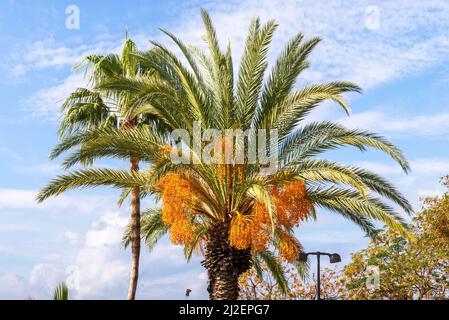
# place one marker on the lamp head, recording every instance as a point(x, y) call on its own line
point(334, 258)
point(302, 257)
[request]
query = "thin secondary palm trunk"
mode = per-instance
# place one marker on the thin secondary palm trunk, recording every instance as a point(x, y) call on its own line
point(135, 235)
point(224, 264)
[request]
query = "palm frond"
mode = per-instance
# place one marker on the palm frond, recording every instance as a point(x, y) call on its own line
point(92, 178)
point(275, 268)
point(252, 69)
point(61, 292)
point(152, 229)
point(360, 210)
point(318, 137)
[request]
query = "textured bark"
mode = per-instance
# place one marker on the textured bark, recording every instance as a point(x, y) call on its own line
point(135, 235)
point(224, 264)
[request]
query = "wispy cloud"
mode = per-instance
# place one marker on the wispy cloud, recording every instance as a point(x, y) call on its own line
point(50, 53)
point(428, 125)
point(97, 266)
point(410, 38)
point(9, 153)
point(25, 199)
point(38, 169)
point(422, 181)
point(17, 71)
point(46, 102)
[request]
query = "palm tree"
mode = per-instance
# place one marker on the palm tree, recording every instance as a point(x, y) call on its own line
point(235, 213)
point(86, 109)
point(61, 292)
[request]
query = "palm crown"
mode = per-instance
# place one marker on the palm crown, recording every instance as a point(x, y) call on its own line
point(86, 109)
point(234, 212)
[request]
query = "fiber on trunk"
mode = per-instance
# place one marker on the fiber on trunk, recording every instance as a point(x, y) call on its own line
point(224, 264)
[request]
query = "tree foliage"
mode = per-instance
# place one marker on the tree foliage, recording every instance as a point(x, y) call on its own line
point(408, 269)
point(417, 269)
point(255, 209)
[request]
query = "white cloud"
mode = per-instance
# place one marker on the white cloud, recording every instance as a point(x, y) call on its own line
point(329, 238)
point(100, 267)
point(96, 267)
point(17, 71)
point(410, 38)
point(104, 268)
point(422, 181)
point(23, 199)
point(72, 236)
point(46, 102)
point(173, 286)
point(429, 125)
point(15, 227)
point(101, 273)
point(107, 231)
point(12, 286)
point(49, 53)
point(421, 166)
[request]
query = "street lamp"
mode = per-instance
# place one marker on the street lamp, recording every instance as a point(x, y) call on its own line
point(333, 258)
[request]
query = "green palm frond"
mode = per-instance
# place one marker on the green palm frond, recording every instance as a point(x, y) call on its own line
point(360, 210)
point(291, 62)
point(61, 292)
point(318, 137)
point(275, 267)
point(92, 178)
point(252, 69)
point(195, 245)
point(152, 229)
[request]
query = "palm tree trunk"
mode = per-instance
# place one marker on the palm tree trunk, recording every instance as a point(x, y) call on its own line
point(135, 234)
point(224, 264)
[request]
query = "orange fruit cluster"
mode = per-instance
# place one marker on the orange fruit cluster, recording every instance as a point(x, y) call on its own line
point(291, 204)
point(246, 231)
point(288, 247)
point(240, 231)
point(253, 231)
point(182, 231)
point(177, 197)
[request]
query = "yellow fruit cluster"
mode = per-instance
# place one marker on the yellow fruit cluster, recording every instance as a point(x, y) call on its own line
point(288, 247)
point(253, 230)
point(177, 197)
point(291, 206)
point(181, 231)
point(240, 231)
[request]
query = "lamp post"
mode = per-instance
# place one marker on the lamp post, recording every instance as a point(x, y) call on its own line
point(333, 258)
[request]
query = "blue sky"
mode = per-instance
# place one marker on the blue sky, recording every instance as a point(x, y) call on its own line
point(397, 51)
